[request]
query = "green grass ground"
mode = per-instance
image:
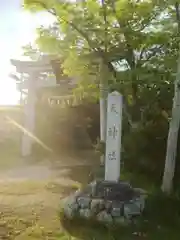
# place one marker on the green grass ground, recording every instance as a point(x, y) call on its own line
point(29, 210)
point(161, 220)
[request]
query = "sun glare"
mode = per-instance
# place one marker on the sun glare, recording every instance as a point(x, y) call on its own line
point(9, 97)
point(8, 93)
point(16, 31)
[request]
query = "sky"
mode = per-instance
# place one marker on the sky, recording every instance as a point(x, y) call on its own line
point(17, 28)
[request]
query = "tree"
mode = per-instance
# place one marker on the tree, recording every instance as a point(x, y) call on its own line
point(135, 41)
point(170, 161)
point(129, 33)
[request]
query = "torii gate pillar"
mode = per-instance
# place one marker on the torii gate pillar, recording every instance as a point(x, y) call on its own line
point(29, 118)
point(33, 69)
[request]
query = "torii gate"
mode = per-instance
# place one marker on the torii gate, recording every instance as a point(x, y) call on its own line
point(33, 69)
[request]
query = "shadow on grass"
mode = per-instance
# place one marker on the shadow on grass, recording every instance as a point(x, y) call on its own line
point(61, 189)
point(161, 220)
point(80, 174)
point(76, 174)
point(86, 230)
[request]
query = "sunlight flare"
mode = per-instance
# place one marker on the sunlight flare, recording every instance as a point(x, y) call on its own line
point(25, 131)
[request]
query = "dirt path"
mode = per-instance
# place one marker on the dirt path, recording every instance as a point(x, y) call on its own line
point(30, 197)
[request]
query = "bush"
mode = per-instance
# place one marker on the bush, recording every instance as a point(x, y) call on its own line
point(71, 127)
point(144, 149)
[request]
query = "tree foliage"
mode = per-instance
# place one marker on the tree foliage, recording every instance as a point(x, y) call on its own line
point(137, 40)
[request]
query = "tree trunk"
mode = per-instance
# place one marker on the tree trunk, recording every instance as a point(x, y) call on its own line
point(170, 161)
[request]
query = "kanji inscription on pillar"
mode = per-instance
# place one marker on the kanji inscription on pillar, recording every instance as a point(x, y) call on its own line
point(113, 137)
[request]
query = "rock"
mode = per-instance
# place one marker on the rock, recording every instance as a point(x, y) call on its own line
point(70, 211)
point(86, 213)
point(107, 202)
point(93, 188)
point(94, 206)
point(71, 200)
point(70, 207)
point(101, 205)
point(131, 209)
point(104, 217)
point(84, 202)
point(108, 206)
point(97, 205)
point(116, 212)
point(77, 193)
point(140, 202)
point(117, 209)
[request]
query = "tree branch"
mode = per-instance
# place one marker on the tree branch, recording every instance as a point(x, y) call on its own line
point(152, 54)
point(91, 44)
point(154, 51)
point(130, 58)
point(104, 6)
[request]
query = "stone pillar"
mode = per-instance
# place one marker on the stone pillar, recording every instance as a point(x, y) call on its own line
point(113, 137)
point(29, 117)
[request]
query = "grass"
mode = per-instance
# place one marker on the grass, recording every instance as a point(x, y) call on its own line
point(29, 210)
point(9, 155)
point(32, 213)
point(38, 218)
point(30, 223)
point(161, 220)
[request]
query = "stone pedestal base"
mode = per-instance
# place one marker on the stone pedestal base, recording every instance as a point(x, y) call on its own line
point(107, 202)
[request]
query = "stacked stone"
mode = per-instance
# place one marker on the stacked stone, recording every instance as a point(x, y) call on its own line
point(106, 211)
